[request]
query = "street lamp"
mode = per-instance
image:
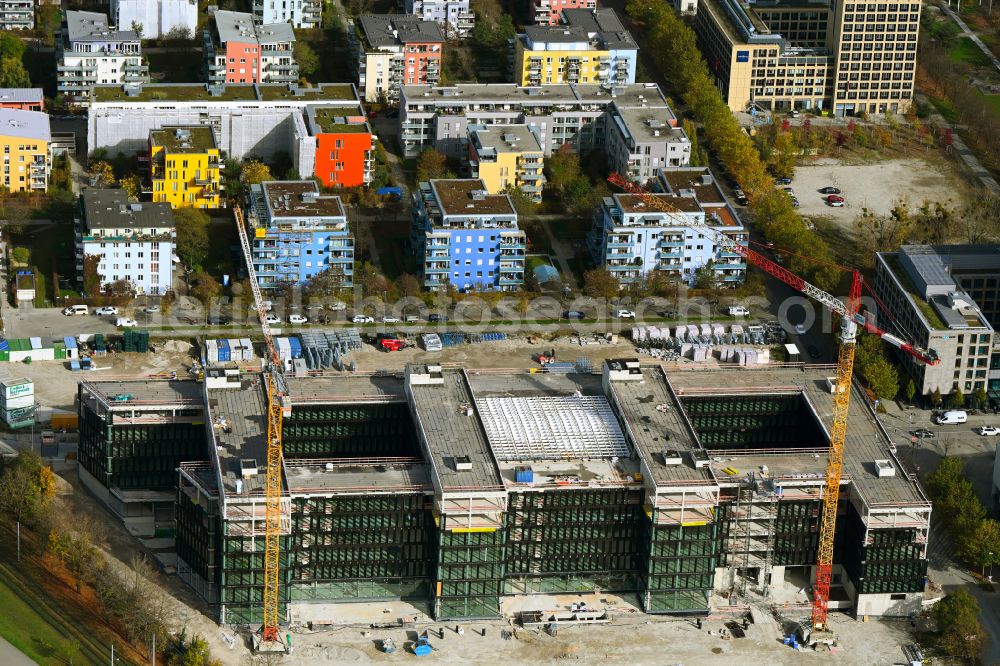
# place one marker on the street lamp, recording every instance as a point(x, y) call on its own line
point(990, 578)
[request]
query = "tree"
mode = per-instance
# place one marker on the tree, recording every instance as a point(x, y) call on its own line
point(882, 232)
point(193, 240)
point(324, 283)
point(13, 74)
point(883, 378)
point(307, 59)
point(72, 544)
point(102, 172)
point(192, 653)
point(131, 185)
point(47, 22)
point(92, 279)
point(430, 164)
point(121, 288)
point(936, 398)
point(910, 390)
point(561, 169)
point(979, 398)
point(26, 488)
point(600, 283)
point(255, 172)
point(960, 632)
point(980, 218)
point(206, 289)
point(21, 255)
point(11, 46)
point(704, 276)
point(137, 28)
point(981, 546)
point(784, 154)
point(957, 398)
point(523, 204)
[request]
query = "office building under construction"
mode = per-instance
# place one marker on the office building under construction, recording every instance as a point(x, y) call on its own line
point(460, 491)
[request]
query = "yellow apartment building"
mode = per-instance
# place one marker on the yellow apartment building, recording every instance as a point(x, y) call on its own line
point(505, 156)
point(591, 47)
point(24, 143)
point(184, 166)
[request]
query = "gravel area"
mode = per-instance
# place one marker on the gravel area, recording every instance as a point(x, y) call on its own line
point(876, 187)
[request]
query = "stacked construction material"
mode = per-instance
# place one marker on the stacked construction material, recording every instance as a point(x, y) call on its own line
point(452, 339)
point(485, 337)
point(326, 350)
point(136, 340)
point(17, 402)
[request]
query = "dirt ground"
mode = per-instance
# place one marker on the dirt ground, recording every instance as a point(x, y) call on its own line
point(876, 187)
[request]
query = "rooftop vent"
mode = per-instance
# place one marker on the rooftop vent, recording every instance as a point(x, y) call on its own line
point(671, 457)
point(478, 195)
point(463, 464)
point(706, 179)
point(884, 468)
point(248, 467)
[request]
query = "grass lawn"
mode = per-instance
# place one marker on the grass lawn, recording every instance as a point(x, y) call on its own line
point(945, 108)
point(52, 252)
point(22, 625)
point(965, 50)
point(224, 237)
point(175, 65)
point(994, 102)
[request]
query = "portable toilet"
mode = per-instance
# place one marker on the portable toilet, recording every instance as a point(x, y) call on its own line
point(72, 349)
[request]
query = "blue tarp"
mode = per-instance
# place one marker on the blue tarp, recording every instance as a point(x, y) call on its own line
point(546, 273)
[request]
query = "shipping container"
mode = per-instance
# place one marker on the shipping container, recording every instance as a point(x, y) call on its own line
point(17, 403)
point(65, 421)
point(13, 388)
point(223, 346)
point(296, 345)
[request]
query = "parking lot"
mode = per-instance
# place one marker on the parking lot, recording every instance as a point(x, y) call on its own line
point(876, 187)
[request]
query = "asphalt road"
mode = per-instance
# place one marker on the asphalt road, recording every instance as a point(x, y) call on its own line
point(11, 656)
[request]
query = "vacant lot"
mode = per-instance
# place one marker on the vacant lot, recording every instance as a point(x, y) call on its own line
point(876, 187)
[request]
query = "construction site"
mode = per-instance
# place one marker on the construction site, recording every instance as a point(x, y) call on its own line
point(469, 493)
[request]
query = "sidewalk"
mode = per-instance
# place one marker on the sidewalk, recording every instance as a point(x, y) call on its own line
point(11, 656)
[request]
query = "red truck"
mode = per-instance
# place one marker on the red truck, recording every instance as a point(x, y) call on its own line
point(391, 344)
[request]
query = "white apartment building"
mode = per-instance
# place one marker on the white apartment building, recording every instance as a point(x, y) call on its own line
point(393, 50)
point(17, 14)
point(630, 238)
point(134, 240)
point(92, 52)
point(641, 140)
point(300, 13)
point(454, 16)
point(157, 17)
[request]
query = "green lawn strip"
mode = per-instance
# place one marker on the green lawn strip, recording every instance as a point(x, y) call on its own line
point(37, 626)
point(965, 50)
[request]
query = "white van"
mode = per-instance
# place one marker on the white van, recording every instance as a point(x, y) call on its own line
point(76, 310)
point(952, 418)
point(738, 311)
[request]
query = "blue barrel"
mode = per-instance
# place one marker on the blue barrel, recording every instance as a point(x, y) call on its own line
point(524, 474)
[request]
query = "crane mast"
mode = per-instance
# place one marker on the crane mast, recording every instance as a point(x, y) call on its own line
point(272, 502)
point(850, 320)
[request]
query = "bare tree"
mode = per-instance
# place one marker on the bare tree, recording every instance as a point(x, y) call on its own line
point(980, 218)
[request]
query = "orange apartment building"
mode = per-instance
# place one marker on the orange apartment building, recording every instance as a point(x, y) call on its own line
point(344, 146)
point(239, 51)
point(21, 99)
point(392, 50)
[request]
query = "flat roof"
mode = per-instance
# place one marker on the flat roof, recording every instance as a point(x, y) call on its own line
point(867, 441)
point(623, 96)
point(93, 27)
point(320, 92)
point(455, 197)
point(111, 209)
point(338, 120)
point(25, 124)
point(20, 95)
point(149, 392)
point(452, 437)
point(633, 203)
point(604, 22)
point(394, 29)
point(239, 428)
point(356, 476)
point(240, 27)
point(506, 138)
point(184, 138)
point(700, 180)
point(650, 124)
point(295, 198)
point(169, 92)
point(345, 388)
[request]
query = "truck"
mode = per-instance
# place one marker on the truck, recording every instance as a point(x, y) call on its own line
point(389, 343)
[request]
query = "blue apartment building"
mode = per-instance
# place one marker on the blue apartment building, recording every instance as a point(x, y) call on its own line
point(631, 238)
point(297, 233)
point(467, 238)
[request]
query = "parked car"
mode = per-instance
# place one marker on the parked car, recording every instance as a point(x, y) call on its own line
point(953, 417)
point(389, 319)
point(272, 318)
point(742, 200)
point(362, 319)
point(106, 310)
point(795, 203)
point(125, 322)
point(737, 311)
point(76, 310)
point(572, 314)
point(924, 433)
point(152, 309)
point(794, 113)
point(336, 306)
point(219, 320)
point(835, 201)
point(782, 181)
point(829, 189)
point(298, 319)
point(625, 314)
point(989, 431)
point(800, 329)
point(436, 318)
point(790, 190)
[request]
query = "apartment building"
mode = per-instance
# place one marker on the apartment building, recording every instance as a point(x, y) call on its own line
point(24, 140)
point(394, 50)
point(238, 50)
point(641, 140)
point(259, 120)
point(21, 99)
point(185, 166)
point(17, 14)
point(945, 298)
point(91, 52)
point(134, 240)
point(505, 156)
point(549, 12)
point(345, 145)
point(467, 238)
point(297, 233)
point(591, 46)
point(454, 16)
point(838, 56)
point(630, 238)
point(158, 18)
point(302, 14)
point(577, 115)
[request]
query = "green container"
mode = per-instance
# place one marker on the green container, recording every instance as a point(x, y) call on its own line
point(60, 350)
point(5, 355)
